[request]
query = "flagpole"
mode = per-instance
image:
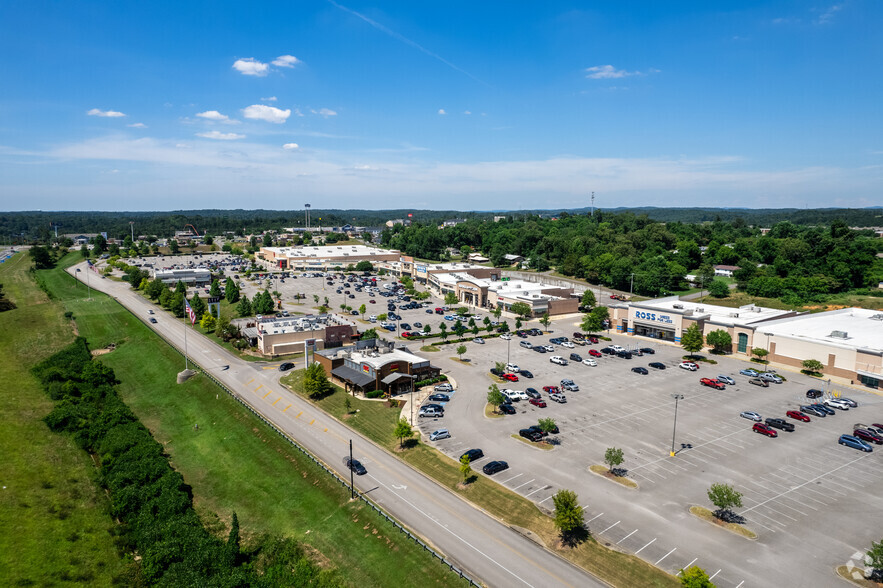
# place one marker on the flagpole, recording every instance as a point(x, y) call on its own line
point(187, 318)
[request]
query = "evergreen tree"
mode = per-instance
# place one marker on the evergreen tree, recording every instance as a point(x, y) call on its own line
point(199, 306)
point(215, 289)
point(244, 309)
point(233, 541)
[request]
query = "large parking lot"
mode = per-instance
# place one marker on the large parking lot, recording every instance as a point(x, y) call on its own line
point(806, 497)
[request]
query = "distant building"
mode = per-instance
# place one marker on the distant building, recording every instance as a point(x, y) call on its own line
point(453, 222)
point(478, 258)
point(510, 259)
point(725, 271)
point(81, 238)
point(375, 365)
point(499, 218)
point(279, 336)
point(324, 257)
point(190, 277)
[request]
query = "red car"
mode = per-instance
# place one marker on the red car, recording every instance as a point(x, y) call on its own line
point(594, 353)
point(538, 402)
point(593, 339)
point(712, 383)
point(551, 389)
point(407, 334)
point(373, 301)
point(510, 377)
point(870, 436)
point(764, 429)
point(796, 414)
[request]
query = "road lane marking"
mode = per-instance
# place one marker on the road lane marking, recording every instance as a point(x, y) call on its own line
point(249, 382)
point(267, 394)
point(298, 414)
point(714, 574)
point(268, 367)
point(545, 499)
point(286, 408)
point(740, 583)
point(277, 400)
point(312, 421)
point(666, 555)
point(610, 527)
point(642, 549)
point(258, 388)
point(627, 536)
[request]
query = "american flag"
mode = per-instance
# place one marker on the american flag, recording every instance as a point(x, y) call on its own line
point(92, 266)
point(189, 311)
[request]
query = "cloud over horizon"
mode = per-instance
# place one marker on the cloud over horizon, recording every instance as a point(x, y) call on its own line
point(105, 113)
point(249, 66)
point(266, 113)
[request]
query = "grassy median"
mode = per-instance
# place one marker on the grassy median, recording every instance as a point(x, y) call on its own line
point(236, 463)
point(376, 421)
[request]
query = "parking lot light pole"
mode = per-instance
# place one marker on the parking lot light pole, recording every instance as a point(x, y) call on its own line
point(675, 428)
point(508, 341)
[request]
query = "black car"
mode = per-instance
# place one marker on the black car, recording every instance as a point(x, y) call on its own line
point(575, 357)
point(624, 354)
point(808, 409)
point(813, 393)
point(354, 465)
point(286, 366)
point(532, 393)
point(440, 397)
point(535, 332)
point(648, 350)
point(435, 406)
point(531, 435)
point(536, 428)
point(824, 408)
point(780, 424)
point(473, 454)
point(526, 374)
point(405, 326)
point(507, 408)
point(153, 320)
point(494, 467)
point(608, 351)
point(640, 370)
point(657, 365)
point(496, 372)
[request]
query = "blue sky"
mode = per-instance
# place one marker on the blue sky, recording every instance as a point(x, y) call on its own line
point(464, 105)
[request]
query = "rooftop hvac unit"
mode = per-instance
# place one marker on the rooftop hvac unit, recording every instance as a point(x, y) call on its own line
point(734, 314)
point(678, 306)
point(876, 317)
point(839, 335)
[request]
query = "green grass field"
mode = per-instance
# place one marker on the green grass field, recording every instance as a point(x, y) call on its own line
point(55, 521)
point(376, 421)
point(235, 463)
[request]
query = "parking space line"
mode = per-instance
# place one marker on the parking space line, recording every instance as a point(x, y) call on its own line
point(713, 575)
point(545, 499)
point(535, 491)
point(512, 478)
point(610, 527)
point(286, 408)
point(627, 536)
point(594, 517)
point(267, 394)
point(277, 400)
point(740, 583)
point(665, 556)
point(648, 544)
point(686, 567)
point(525, 484)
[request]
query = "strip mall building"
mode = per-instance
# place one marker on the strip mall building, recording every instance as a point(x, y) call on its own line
point(334, 257)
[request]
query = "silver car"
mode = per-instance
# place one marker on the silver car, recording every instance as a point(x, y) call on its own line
point(727, 380)
point(440, 434)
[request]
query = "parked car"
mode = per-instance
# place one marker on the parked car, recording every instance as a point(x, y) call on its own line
point(750, 415)
point(836, 403)
point(764, 429)
point(712, 383)
point(852, 403)
point(496, 372)
point(827, 410)
point(554, 430)
point(533, 393)
point(797, 415)
point(855, 443)
point(624, 354)
point(877, 427)
point(494, 467)
point(576, 357)
point(751, 372)
point(443, 387)
point(657, 365)
point(505, 336)
point(538, 402)
point(549, 349)
point(648, 350)
point(768, 377)
point(430, 412)
point(759, 382)
point(640, 370)
point(869, 436)
point(809, 409)
point(507, 408)
point(527, 374)
point(594, 353)
point(782, 424)
point(152, 320)
point(590, 362)
point(526, 344)
point(440, 398)
point(813, 393)
point(569, 386)
point(539, 348)
point(531, 435)
point(439, 435)
point(473, 454)
point(726, 380)
point(688, 365)
point(558, 359)
point(551, 389)
point(478, 340)
point(284, 367)
point(511, 367)
point(558, 397)
point(510, 377)
point(355, 465)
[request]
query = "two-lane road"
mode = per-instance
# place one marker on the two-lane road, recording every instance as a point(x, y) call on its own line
point(483, 547)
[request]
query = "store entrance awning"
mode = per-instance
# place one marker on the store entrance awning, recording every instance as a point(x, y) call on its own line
point(396, 377)
point(354, 377)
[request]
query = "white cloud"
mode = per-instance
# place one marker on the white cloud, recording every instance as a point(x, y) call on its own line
point(266, 113)
point(326, 112)
point(105, 113)
point(297, 112)
point(251, 67)
point(286, 61)
point(137, 126)
point(606, 72)
point(828, 14)
point(269, 99)
point(441, 111)
point(213, 115)
point(291, 146)
point(467, 112)
point(220, 136)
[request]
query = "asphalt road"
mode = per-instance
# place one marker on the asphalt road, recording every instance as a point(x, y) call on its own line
point(489, 551)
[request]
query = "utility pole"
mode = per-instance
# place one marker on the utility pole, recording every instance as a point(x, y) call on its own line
point(632, 284)
point(352, 483)
point(674, 430)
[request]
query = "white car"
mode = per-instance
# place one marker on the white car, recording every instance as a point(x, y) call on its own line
point(549, 348)
point(590, 361)
point(505, 336)
point(836, 403)
point(567, 344)
point(558, 397)
point(688, 365)
point(558, 359)
point(512, 395)
point(511, 367)
point(617, 348)
point(478, 340)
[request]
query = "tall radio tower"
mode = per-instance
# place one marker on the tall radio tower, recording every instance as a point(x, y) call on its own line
point(307, 215)
point(593, 204)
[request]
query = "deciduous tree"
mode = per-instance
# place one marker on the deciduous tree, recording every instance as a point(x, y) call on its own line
point(720, 340)
point(568, 513)
point(695, 577)
point(724, 497)
point(461, 349)
point(613, 457)
point(315, 381)
point(494, 396)
point(403, 430)
point(691, 339)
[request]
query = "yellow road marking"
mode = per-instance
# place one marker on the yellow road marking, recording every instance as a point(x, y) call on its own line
point(326, 430)
point(277, 400)
point(298, 414)
point(259, 387)
point(267, 394)
point(287, 407)
point(312, 421)
point(268, 367)
point(249, 382)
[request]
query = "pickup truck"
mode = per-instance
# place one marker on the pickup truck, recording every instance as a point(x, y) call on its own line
point(780, 424)
point(712, 383)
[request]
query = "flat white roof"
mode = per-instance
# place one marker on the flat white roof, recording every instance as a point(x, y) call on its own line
point(743, 316)
point(329, 251)
point(846, 327)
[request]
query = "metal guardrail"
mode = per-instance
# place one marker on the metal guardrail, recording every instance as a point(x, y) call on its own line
point(322, 465)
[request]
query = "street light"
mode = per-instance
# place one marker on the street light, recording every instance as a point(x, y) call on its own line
point(676, 397)
point(508, 341)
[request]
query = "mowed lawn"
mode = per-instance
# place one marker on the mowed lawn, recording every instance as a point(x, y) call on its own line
point(55, 521)
point(235, 463)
